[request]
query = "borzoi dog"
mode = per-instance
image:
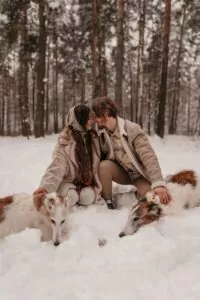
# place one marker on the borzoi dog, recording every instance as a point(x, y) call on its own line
point(18, 212)
point(184, 188)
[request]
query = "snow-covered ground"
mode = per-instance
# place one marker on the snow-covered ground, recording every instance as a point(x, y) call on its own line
point(161, 261)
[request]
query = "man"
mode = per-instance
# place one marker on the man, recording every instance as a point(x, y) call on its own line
point(128, 157)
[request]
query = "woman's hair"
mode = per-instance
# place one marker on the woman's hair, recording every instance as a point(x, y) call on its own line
point(83, 150)
point(102, 105)
point(83, 155)
point(82, 113)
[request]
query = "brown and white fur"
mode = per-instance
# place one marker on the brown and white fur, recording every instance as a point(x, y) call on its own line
point(18, 212)
point(184, 188)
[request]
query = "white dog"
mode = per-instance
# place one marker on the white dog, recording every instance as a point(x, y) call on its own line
point(18, 212)
point(184, 188)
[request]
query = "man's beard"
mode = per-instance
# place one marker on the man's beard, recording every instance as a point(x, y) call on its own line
point(101, 126)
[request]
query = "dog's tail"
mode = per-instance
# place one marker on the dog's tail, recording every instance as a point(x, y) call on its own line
point(3, 203)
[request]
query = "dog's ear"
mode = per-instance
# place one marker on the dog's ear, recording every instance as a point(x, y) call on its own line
point(143, 199)
point(154, 209)
point(150, 196)
point(66, 202)
point(49, 203)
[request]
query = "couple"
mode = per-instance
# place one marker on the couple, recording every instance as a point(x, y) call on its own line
point(95, 148)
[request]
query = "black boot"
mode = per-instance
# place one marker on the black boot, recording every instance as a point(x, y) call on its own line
point(110, 204)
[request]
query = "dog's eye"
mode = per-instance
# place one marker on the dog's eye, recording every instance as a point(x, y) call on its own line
point(135, 218)
point(53, 222)
point(62, 222)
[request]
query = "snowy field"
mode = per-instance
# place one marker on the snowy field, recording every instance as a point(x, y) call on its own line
point(161, 261)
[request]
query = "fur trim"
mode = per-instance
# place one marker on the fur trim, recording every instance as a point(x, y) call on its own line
point(158, 184)
point(65, 136)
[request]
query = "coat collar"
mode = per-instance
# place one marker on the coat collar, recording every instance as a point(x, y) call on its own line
point(121, 125)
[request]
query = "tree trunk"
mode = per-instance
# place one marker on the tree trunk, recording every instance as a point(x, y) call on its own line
point(103, 71)
point(149, 105)
point(34, 75)
point(140, 76)
point(101, 48)
point(154, 69)
point(198, 119)
point(2, 119)
point(73, 91)
point(120, 54)
point(55, 72)
point(162, 95)
point(47, 71)
point(47, 90)
point(23, 79)
point(64, 102)
point(131, 92)
point(39, 117)
point(176, 93)
point(82, 83)
point(8, 112)
point(188, 105)
point(95, 50)
point(15, 100)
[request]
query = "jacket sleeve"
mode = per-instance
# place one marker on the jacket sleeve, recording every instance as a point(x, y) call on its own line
point(148, 158)
point(56, 170)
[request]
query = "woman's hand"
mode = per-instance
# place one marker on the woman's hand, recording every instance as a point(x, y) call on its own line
point(163, 194)
point(38, 196)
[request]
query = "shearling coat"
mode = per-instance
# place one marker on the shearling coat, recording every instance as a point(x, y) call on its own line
point(139, 150)
point(62, 171)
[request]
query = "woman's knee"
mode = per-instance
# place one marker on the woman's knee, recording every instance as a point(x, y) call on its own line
point(87, 196)
point(73, 197)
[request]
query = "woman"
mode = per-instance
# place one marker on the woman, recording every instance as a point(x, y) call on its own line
point(73, 170)
point(128, 156)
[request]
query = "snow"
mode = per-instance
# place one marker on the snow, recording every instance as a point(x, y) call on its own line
point(3, 18)
point(161, 261)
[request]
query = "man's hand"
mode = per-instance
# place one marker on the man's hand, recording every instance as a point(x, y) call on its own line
point(38, 196)
point(163, 194)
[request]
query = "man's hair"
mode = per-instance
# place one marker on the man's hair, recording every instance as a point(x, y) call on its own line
point(101, 105)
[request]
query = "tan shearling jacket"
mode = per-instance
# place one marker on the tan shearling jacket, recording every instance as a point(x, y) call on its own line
point(63, 167)
point(139, 150)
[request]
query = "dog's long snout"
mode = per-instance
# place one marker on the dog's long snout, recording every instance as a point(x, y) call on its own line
point(122, 234)
point(56, 243)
